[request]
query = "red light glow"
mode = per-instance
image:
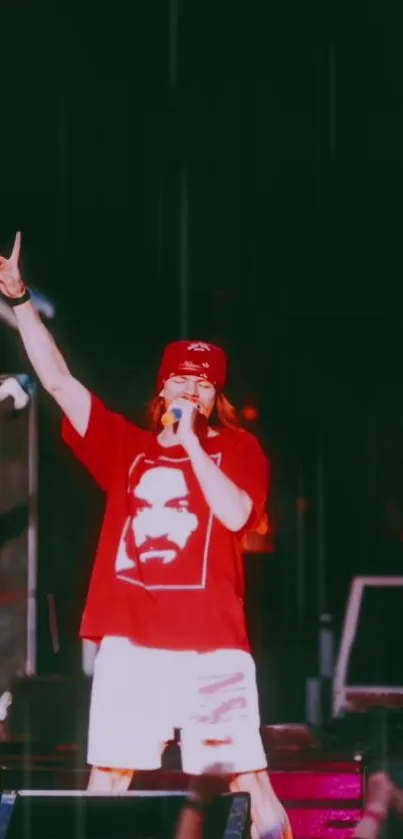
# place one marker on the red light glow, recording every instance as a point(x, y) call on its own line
point(250, 413)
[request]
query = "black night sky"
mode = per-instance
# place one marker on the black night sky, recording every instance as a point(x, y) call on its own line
point(232, 172)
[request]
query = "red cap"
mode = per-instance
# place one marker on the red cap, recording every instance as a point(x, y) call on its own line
point(193, 358)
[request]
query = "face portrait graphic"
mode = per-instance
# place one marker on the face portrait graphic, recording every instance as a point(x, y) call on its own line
point(162, 523)
point(165, 539)
point(164, 543)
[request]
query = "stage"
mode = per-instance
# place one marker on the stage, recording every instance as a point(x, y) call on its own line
point(321, 793)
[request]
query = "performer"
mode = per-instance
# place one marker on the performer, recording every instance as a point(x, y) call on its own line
point(166, 597)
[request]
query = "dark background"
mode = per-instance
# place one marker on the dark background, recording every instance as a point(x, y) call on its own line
point(285, 121)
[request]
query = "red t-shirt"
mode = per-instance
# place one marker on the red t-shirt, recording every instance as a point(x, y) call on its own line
point(167, 573)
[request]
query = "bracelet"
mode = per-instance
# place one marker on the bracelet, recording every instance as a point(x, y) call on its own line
point(18, 301)
point(373, 814)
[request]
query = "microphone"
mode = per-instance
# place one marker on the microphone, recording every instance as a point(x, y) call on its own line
point(171, 417)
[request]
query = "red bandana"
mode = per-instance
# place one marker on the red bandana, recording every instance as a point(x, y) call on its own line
point(193, 358)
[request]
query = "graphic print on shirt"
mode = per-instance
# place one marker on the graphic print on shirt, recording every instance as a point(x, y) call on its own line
point(166, 538)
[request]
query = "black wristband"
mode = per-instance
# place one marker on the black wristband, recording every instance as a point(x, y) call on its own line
point(17, 301)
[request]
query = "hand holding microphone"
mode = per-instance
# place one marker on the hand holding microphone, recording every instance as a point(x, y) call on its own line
point(171, 417)
point(182, 413)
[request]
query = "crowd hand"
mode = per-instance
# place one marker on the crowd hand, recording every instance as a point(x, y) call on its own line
point(212, 783)
point(380, 799)
point(11, 284)
point(203, 789)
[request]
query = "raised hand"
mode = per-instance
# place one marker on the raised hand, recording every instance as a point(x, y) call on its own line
point(213, 782)
point(11, 284)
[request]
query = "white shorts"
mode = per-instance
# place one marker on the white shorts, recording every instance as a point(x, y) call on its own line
point(140, 695)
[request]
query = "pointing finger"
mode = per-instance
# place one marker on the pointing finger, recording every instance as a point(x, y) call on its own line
point(15, 254)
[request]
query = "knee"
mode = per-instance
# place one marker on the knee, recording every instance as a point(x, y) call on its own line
point(107, 770)
point(253, 781)
point(108, 780)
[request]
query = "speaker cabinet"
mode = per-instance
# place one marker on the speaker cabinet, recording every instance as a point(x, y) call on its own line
point(32, 814)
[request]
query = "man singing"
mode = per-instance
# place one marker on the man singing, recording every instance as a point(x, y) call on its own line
point(166, 598)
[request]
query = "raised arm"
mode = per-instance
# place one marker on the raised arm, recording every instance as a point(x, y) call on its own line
point(47, 361)
point(236, 496)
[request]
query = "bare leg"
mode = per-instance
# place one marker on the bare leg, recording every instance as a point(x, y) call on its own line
point(112, 781)
point(269, 819)
point(109, 781)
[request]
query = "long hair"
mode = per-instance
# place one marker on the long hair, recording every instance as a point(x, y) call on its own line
point(224, 413)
